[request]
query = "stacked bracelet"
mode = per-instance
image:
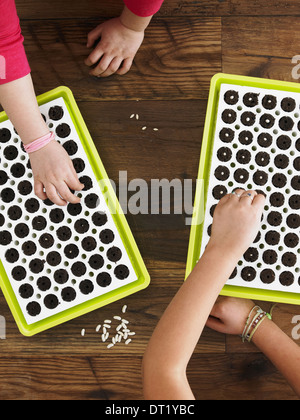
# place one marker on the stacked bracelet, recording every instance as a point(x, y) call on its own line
point(39, 143)
point(257, 320)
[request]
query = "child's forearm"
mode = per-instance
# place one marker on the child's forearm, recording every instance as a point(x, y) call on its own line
point(134, 22)
point(179, 329)
point(19, 102)
point(282, 351)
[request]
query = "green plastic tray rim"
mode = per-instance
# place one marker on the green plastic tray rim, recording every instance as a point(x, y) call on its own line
point(119, 219)
point(203, 177)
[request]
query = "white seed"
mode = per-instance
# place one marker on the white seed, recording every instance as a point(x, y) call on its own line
point(98, 328)
point(144, 128)
point(107, 321)
point(127, 341)
point(125, 321)
point(131, 333)
point(132, 115)
point(106, 326)
point(137, 116)
point(110, 345)
point(124, 309)
point(117, 317)
point(82, 332)
point(103, 337)
point(155, 129)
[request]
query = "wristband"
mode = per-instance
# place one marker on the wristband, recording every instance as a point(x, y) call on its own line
point(251, 327)
point(39, 143)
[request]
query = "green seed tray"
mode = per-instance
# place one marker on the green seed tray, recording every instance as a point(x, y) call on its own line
point(64, 299)
point(280, 120)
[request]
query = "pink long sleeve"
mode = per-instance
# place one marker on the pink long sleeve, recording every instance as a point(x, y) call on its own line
point(143, 8)
point(13, 60)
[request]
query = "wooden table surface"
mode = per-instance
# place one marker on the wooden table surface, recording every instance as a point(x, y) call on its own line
point(185, 45)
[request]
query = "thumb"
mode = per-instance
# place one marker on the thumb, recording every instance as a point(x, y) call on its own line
point(215, 324)
point(93, 36)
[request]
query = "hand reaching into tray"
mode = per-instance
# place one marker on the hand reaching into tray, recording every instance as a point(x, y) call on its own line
point(51, 166)
point(120, 39)
point(236, 223)
point(53, 171)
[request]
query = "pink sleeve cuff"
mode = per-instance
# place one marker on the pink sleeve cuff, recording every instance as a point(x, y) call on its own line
point(143, 8)
point(13, 60)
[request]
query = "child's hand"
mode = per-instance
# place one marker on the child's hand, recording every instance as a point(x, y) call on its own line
point(229, 315)
point(53, 171)
point(116, 49)
point(236, 222)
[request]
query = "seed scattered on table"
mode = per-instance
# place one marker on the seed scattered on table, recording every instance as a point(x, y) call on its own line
point(122, 330)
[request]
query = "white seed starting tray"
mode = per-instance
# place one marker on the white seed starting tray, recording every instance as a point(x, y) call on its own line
point(257, 146)
point(57, 258)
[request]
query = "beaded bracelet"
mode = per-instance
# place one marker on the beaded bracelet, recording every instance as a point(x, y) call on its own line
point(39, 143)
point(256, 321)
point(247, 322)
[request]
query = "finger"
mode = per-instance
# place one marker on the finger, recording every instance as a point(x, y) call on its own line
point(73, 183)
point(53, 195)
point(237, 193)
point(66, 194)
point(125, 67)
point(215, 324)
point(113, 67)
point(224, 200)
point(247, 197)
point(94, 57)
point(93, 36)
point(102, 66)
point(259, 202)
point(39, 190)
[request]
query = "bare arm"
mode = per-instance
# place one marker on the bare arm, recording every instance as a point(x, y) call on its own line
point(51, 166)
point(282, 351)
point(229, 316)
point(235, 226)
point(178, 332)
point(19, 101)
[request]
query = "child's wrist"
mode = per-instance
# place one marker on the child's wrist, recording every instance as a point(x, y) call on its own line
point(256, 323)
point(39, 143)
point(134, 22)
point(220, 252)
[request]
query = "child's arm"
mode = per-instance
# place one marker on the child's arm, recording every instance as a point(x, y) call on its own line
point(229, 316)
point(51, 166)
point(236, 222)
point(120, 38)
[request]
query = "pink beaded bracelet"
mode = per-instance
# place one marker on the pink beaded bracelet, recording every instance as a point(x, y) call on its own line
point(39, 143)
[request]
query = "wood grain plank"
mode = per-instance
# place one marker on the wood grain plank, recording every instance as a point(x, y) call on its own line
point(260, 46)
point(171, 152)
point(91, 9)
point(211, 376)
point(56, 9)
point(237, 377)
point(176, 60)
